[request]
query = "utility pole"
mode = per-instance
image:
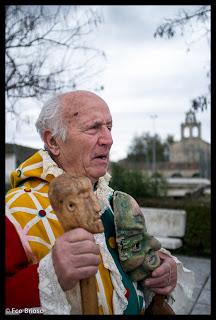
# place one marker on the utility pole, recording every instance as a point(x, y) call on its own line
point(154, 160)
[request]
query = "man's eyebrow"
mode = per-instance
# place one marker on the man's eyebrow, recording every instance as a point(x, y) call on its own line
point(98, 122)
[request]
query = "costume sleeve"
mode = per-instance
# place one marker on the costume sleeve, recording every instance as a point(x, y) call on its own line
point(21, 278)
point(53, 298)
point(183, 291)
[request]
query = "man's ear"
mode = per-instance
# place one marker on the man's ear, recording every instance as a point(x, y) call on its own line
point(51, 143)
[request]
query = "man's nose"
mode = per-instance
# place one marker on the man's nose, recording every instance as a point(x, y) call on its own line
point(105, 137)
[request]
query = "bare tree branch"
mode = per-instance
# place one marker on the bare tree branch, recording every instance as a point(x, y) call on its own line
point(45, 48)
point(171, 26)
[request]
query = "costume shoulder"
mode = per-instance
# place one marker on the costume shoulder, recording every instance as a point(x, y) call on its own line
point(29, 210)
point(21, 285)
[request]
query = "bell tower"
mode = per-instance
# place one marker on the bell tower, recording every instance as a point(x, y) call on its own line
point(191, 128)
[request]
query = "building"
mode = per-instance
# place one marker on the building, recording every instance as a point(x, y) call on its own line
point(191, 150)
point(15, 155)
point(188, 165)
point(188, 158)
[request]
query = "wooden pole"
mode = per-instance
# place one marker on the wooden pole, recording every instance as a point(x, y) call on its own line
point(75, 205)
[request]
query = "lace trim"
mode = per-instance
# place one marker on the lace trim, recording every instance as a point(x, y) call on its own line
point(119, 299)
point(183, 291)
point(55, 301)
point(104, 192)
point(74, 298)
point(49, 166)
point(52, 297)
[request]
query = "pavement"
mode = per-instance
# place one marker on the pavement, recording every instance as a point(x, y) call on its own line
point(201, 299)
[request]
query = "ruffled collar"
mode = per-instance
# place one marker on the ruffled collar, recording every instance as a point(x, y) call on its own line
point(49, 166)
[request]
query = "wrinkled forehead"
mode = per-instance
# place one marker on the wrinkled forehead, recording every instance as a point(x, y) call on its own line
point(79, 104)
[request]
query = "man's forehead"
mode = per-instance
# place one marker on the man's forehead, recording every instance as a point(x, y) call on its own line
point(83, 105)
point(81, 99)
point(85, 115)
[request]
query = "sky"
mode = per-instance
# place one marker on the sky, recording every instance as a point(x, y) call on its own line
point(148, 82)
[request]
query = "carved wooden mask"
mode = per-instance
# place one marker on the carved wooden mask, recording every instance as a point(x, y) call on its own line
point(75, 203)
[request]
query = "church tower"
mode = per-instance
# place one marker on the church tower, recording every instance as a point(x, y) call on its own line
point(191, 151)
point(191, 128)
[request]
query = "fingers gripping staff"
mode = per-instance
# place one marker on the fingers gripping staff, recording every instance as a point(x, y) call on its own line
point(75, 205)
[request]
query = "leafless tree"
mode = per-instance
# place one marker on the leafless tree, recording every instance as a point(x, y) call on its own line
point(201, 15)
point(47, 50)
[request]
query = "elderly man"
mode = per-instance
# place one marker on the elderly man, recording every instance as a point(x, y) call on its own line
point(42, 263)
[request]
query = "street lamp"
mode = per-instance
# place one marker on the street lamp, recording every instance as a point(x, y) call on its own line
point(154, 116)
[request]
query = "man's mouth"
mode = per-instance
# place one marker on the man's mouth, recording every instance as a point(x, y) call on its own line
point(101, 156)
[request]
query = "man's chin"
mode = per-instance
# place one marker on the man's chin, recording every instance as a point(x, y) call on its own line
point(100, 171)
point(97, 174)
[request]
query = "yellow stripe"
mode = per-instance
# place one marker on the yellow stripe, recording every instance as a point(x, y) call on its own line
point(107, 285)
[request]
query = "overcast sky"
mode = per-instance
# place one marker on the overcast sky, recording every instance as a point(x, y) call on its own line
point(143, 76)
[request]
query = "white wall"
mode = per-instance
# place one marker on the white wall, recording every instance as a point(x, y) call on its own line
point(10, 164)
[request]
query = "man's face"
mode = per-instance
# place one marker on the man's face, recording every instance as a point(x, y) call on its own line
point(88, 142)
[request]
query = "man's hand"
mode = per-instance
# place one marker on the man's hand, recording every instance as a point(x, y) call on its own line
point(164, 277)
point(75, 256)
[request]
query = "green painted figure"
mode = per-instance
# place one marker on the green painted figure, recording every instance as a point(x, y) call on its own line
point(136, 247)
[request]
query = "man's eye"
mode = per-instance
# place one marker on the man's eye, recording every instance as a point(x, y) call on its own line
point(94, 127)
point(136, 247)
point(109, 128)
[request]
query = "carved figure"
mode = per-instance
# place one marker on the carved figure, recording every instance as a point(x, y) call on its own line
point(136, 247)
point(75, 203)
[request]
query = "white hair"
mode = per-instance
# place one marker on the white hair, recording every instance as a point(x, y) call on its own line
point(51, 118)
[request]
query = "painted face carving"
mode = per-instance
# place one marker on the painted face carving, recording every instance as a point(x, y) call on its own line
point(136, 247)
point(75, 203)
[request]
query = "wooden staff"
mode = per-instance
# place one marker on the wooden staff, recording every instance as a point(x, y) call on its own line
point(159, 306)
point(76, 205)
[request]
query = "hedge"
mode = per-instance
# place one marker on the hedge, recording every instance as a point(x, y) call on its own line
point(150, 191)
point(197, 239)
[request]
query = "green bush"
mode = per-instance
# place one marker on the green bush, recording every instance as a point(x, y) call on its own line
point(151, 191)
point(136, 183)
point(197, 239)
